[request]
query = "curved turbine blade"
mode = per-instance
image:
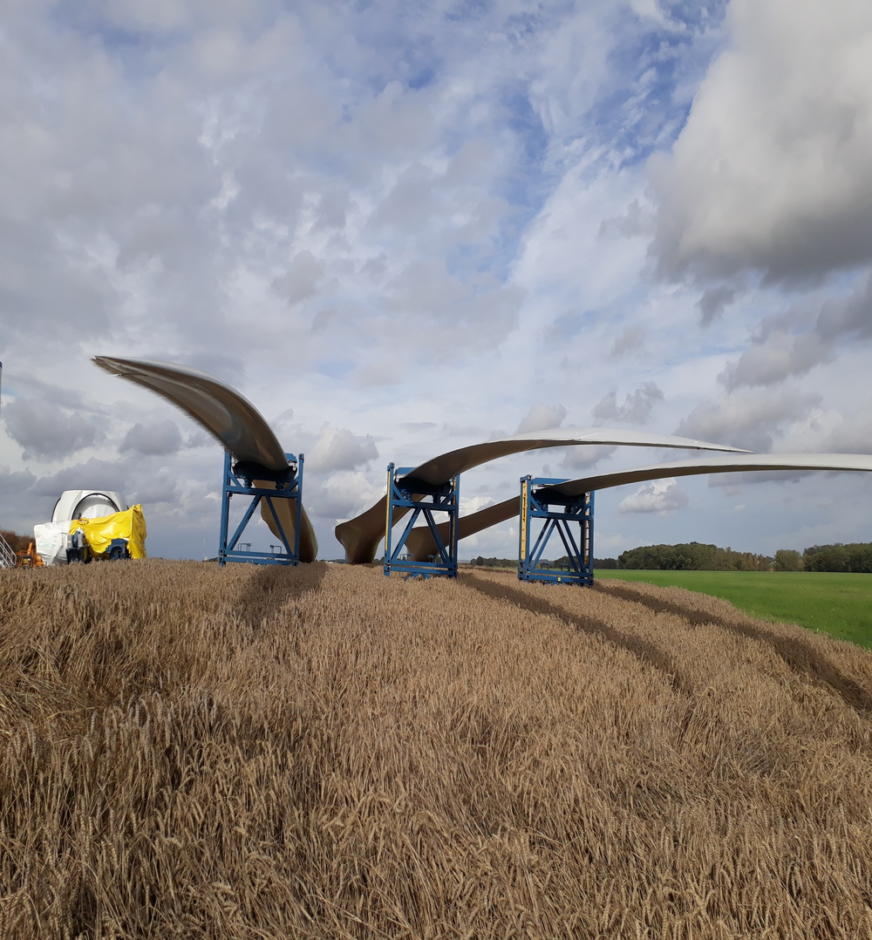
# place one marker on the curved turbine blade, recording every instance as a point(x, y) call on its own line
point(420, 542)
point(360, 536)
point(231, 419)
point(222, 411)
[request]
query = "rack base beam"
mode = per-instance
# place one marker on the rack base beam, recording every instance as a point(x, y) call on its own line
point(570, 517)
point(406, 494)
point(238, 480)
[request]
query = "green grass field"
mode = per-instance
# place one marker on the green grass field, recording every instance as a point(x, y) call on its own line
point(838, 604)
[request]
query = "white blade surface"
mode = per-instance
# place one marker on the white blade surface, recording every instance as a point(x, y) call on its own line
point(420, 541)
point(229, 418)
point(360, 536)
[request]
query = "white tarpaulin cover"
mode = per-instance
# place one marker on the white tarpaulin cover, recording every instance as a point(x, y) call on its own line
point(50, 538)
point(51, 541)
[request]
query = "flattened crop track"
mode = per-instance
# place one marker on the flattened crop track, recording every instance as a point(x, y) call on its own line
point(188, 751)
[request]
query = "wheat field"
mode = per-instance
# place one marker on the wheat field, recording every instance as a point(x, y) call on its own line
point(187, 751)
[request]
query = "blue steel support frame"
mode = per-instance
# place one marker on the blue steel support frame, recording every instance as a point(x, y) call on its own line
point(238, 481)
point(567, 512)
point(421, 498)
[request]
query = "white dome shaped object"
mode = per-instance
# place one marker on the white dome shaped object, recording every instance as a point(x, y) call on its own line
point(87, 504)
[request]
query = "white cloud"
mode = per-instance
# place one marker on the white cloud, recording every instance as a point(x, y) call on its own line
point(848, 317)
point(771, 170)
point(714, 300)
point(635, 409)
point(657, 496)
point(471, 504)
point(776, 358)
point(340, 449)
point(578, 459)
point(343, 495)
point(13, 483)
point(850, 435)
point(745, 419)
point(402, 229)
point(629, 341)
point(795, 342)
point(158, 438)
point(300, 280)
point(542, 417)
point(48, 429)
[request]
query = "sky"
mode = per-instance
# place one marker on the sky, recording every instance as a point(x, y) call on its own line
point(398, 228)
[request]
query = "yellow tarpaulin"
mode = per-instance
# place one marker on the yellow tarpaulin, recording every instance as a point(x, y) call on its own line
point(99, 532)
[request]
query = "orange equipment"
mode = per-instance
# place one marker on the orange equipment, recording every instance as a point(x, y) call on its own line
point(29, 557)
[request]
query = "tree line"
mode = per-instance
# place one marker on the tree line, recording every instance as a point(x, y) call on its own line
point(855, 556)
point(693, 556)
point(699, 556)
point(18, 543)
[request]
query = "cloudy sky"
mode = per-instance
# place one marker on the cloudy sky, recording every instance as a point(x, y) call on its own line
point(402, 227)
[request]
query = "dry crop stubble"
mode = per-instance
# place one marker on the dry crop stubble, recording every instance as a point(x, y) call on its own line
point(188, 751)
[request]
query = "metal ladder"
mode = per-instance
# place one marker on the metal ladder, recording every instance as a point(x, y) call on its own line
point(8, 558)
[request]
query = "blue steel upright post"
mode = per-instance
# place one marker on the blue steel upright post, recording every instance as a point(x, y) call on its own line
point(405, 493)
point(239, 480)
point(561, 514)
